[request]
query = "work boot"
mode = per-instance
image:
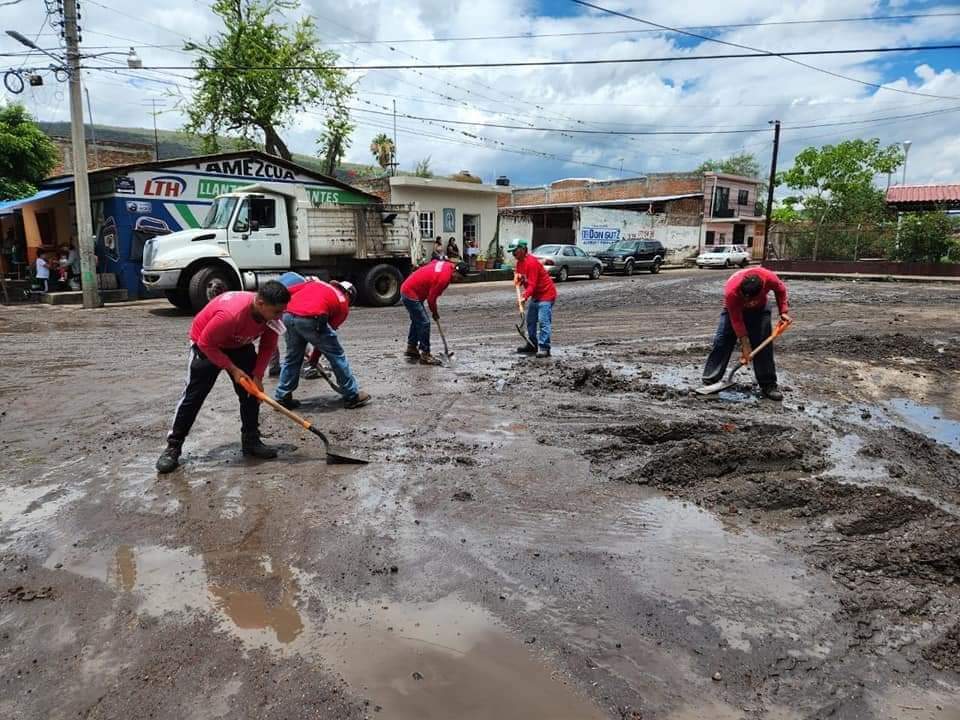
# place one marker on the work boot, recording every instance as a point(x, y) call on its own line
point(358, 400)
point(253, 445)
point(169, 459)
point(311, 373)
point(543, 353)
point(428, 359)
point(288, 402)
point(412, 352)
point(526, 349)
point(771, 392)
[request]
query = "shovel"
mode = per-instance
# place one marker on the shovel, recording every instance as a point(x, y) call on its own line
point(330, 382)
point(722, 384)
point(446, 348)
point(519, 325)
point(334, 454)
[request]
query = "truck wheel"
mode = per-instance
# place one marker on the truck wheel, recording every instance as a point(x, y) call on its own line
point(180, 299)
point(380, 287)
point(628, 268)
point(655, 268)
point(205, 284)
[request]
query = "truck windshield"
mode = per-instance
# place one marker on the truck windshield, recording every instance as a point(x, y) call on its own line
point(218, 217)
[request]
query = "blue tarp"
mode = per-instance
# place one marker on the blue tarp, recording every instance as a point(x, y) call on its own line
point(8, 205)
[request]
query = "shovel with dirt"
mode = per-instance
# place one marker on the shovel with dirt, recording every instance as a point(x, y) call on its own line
point(446, 348)
point(724, 383)
point(335, 454)
point(520, 325)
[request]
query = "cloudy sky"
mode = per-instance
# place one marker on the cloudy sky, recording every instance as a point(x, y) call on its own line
point(698, 98)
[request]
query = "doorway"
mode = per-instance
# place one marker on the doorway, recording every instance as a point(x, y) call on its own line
point(739, 232)
point(471, 237)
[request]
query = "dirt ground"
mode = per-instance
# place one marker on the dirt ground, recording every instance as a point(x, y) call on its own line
point(567, 539)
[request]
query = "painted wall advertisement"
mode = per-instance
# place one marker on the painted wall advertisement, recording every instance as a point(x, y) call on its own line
point(602, 227)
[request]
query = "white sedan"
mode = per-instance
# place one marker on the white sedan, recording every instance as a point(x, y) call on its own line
point(724, 256)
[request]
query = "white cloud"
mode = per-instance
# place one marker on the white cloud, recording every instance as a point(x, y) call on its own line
point(694, 95)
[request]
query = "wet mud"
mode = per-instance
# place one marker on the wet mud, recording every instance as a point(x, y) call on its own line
point(580, 537)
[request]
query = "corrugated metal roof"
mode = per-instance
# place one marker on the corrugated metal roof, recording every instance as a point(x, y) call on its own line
point(603, 203)
point(924, 194)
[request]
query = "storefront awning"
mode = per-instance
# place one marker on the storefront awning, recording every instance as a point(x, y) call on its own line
point(8, 206)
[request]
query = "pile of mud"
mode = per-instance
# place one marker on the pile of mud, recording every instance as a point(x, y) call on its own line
point(591, 378)
point(872, 347)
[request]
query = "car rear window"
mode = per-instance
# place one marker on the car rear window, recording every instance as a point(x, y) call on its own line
point(547, 250)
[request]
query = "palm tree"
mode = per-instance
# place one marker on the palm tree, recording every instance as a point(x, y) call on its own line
point(382, 148)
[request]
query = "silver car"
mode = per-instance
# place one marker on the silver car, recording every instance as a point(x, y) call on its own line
point(562, 261)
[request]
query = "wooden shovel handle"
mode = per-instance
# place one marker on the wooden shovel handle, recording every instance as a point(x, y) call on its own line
point(780, 329)
point(263, 397)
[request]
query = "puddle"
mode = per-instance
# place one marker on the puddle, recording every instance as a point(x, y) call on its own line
point(254, 597)
point(443, 660)
point(927, 420)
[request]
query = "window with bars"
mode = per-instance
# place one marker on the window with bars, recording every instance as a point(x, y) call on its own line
point(426, 225)
point(743, 197)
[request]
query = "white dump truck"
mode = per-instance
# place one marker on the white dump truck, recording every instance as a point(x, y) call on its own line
point(260, 231)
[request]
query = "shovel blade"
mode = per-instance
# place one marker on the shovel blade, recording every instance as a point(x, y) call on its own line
point(339, 456)
point(713, 388)
point(523, 334)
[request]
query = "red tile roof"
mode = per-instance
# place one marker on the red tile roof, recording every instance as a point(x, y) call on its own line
point(924, 194)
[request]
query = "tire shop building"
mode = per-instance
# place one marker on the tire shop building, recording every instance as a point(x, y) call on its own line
point(133, 203)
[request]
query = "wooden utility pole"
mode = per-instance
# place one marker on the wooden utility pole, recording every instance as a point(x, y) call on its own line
point(81, 183)
point(770, 188)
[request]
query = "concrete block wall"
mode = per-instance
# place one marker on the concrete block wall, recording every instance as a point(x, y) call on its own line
point(585, 190)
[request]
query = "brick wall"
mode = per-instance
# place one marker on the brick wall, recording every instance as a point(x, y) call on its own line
point(375, 186)
point(105, 154)
point(582, 190)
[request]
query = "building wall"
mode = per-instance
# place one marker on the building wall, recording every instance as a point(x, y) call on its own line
point(515, 227)
point(599, 228)
point(101, 155)
point(585, 190)
point(734, 186)
point(64, 220)
point(431, 199)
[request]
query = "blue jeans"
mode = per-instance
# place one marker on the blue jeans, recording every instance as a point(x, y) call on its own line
point(725, 340)
point(303, 330)
point(419, 335)
point(540, 312)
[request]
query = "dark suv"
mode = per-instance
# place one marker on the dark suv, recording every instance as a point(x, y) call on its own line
point(628, 255)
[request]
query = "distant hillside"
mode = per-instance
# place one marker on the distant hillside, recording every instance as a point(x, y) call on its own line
point(174, 144)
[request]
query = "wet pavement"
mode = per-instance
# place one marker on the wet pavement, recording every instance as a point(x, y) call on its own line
point(582, 537)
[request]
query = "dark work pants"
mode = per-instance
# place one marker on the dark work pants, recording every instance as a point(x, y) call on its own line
point(725, 340)
point(201, 376)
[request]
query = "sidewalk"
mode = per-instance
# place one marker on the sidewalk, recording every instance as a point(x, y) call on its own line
point(791, 275)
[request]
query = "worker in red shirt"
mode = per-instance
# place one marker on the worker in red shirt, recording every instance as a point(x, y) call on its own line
point(426, 284)
point(539, 294)
point(746, 317)
point(315, 311)
point(221, 338)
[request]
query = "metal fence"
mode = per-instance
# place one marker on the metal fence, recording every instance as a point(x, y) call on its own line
point(832, 242)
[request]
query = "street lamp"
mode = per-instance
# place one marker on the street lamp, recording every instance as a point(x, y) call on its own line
point(906, 151)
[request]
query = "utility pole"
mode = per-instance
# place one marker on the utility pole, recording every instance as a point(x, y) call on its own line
point(93, 131)
point(906, 151)
point(156, 137)
point(394, 136)
point(770, 188)
point(81, 183)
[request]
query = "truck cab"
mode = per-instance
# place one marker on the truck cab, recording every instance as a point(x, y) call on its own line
point(260, 231)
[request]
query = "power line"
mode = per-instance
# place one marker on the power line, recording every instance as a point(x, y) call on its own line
point(785, 56)
point(597, 61)
point(714, 131)
point(729, 26)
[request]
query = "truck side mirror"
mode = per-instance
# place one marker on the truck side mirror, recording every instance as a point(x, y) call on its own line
point(254, 225)
point(241, 226)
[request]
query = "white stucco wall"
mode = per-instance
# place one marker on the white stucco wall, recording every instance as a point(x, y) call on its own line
point(598, 228)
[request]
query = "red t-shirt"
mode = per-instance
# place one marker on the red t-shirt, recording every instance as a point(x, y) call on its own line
point(428, 282)
point(313, 298)
point(535, 279)
point(736, 304)
point(227, 323)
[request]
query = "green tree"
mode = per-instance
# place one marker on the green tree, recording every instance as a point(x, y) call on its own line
point(27, 155)
point(423, 168)
point(744, 164)
point(246, 82)
point(334, 140)
point(925, 237)
point(382, 148)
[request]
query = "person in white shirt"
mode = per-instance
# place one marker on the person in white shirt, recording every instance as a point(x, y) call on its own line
point(43, 272)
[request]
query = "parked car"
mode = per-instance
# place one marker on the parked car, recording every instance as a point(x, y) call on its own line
point(628, 255)
point(724, 256)
point(562, 261)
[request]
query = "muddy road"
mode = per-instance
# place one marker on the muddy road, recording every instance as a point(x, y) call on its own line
point(566, 539)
